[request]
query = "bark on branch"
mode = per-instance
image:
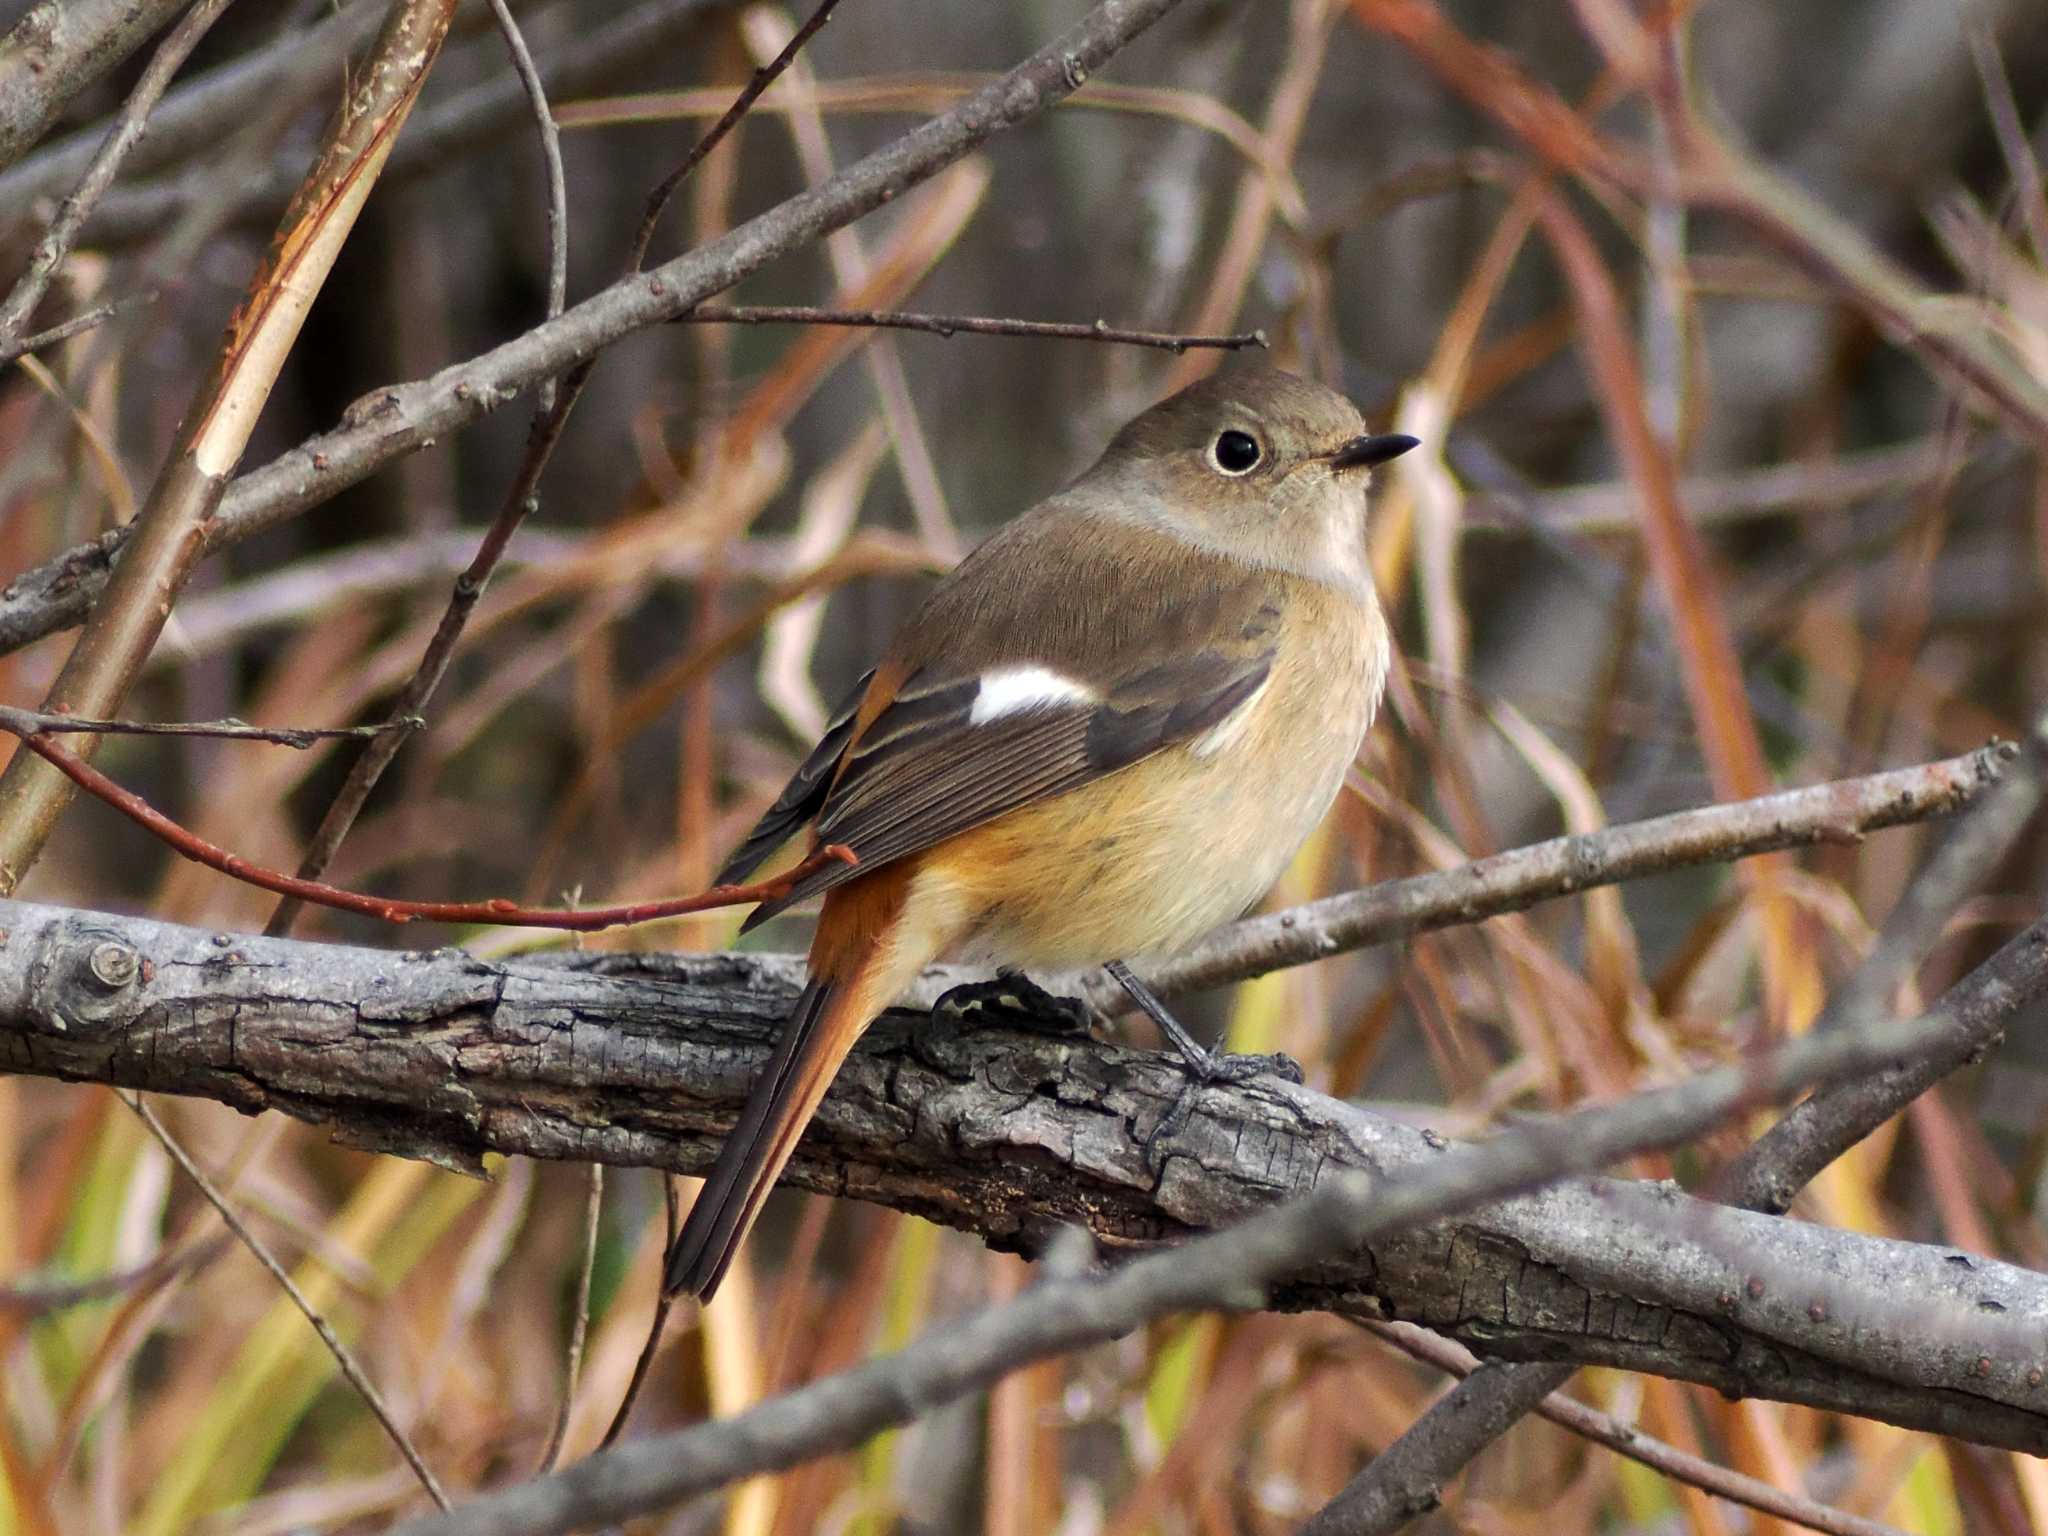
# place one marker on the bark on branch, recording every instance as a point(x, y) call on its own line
point(642, 1060)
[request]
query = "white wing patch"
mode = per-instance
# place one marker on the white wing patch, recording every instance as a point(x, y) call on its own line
point(1225, 732)
point(1009, 690)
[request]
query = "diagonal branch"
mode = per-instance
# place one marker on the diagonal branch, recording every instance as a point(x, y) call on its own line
point(1841, 811)
point(50, 251)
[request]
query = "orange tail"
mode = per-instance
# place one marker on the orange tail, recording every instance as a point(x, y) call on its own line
point(828, 1019)
point(873, 936)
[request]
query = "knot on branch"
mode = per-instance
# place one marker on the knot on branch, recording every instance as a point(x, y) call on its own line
point(83, 977)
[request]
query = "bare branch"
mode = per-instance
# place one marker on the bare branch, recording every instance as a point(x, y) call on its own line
point(1406, 1480)
point(642, 1060)
point(762, 78)
point(344, 1357)
point(55, 51)
point(953, 325)
point(551, 158)
point(1841, 811)
point(50, 251)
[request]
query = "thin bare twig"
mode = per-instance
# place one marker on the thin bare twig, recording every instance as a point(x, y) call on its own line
point(363, 774)
point(1623, 1439)
point(659, 199)
point(551, 156)
point(1841, 811)
point(550, 417)
point(657, 1324)
point(391, 909)
point(72, 213)
point(343, 1356)
point(77, 325)
point(951, 325)
point(579, 1328)
point(33, 722)
point(35, 1294)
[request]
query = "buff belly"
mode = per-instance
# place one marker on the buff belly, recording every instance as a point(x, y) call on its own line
point(1144, 862)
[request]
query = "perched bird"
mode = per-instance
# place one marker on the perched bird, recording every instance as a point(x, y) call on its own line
point(1105, 732)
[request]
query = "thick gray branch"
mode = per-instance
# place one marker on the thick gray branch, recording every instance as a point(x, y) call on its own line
point(643, 1060)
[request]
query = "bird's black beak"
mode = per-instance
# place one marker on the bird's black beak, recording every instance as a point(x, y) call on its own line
point(1366, 452)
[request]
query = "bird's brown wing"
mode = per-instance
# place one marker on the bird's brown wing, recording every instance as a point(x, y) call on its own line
point(1113, 643)
point(802, 796)
point(925, 770)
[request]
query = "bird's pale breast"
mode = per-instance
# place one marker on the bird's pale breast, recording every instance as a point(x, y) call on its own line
point(1149, 859)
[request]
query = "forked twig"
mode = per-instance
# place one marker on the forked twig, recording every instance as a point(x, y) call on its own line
point(77, 325)
point(1626, 1440)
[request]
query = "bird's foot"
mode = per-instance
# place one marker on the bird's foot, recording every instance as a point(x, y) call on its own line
point(1205, 1068)
point(1210, 1069)
point(1014, 999)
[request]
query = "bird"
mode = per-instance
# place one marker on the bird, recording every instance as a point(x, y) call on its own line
point(1104, 733)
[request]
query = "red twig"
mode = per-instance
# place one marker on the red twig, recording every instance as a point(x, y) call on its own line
point(393, 910)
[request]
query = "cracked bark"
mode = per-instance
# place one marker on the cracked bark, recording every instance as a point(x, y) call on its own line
point(1009, 1133)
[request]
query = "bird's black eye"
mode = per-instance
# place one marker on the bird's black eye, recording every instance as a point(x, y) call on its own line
point(1236, 453)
